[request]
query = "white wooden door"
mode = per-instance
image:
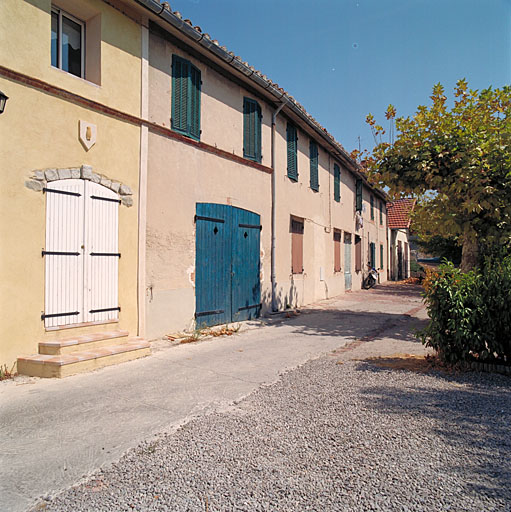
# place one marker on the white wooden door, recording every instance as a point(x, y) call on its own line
point(81, 253)
point(101, 254)
point(64, 254)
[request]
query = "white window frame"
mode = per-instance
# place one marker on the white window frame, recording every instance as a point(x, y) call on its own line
point(61, 13)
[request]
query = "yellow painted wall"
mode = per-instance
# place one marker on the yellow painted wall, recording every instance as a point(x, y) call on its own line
point(38, 131)
point(25, 46)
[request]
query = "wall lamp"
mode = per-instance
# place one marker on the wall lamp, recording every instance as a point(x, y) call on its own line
point(3, 101)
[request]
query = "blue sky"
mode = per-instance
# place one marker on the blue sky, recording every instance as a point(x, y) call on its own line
point(342, 59)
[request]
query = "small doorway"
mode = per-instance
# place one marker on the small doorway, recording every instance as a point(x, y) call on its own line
point(347, 261)
point(399, 260)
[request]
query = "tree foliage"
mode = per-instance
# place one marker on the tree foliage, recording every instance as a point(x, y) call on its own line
point(456, 162)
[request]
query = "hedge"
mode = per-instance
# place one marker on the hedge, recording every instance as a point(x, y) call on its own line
point(470, 313)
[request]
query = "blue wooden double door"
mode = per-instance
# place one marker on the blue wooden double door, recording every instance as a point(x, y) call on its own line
point(227, 264)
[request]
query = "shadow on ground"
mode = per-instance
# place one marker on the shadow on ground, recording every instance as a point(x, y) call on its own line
point(471, 412)
point(365, 326)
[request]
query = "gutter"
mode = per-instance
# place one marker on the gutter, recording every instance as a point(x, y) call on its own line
point(274, 306)
point(281, 97)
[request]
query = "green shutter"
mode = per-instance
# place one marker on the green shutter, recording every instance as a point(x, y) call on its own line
point(251, 130)
point(313, 154)
point(180, 70)
point(381, 257)
point(186, 87)
point(358, 205)
point(337, 183)
point(372, 261)
point(372, 207)
point(381, 213)
point(292, 164)
point(194, 110)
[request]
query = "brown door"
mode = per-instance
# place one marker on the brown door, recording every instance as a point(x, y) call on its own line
point(297, 246)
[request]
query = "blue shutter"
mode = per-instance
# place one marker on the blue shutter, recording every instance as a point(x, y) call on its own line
point(251, 130)
point(292, 143)
point(313, 154)
point(337, 183)
point(194, 110)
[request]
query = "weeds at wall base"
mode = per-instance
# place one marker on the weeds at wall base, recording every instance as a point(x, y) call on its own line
point(206, 332)
point(5, 373)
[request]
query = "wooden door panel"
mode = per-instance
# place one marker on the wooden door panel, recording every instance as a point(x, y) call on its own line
point(246, 286)
point(63, 253)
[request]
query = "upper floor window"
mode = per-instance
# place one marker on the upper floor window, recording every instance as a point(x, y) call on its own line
point(372, 207)
point(67, 43)
point(186, 88)
point(381, 212)
point(337, 183)
point(251, 130)
point(313, 155)
point(358, 196)
point(292, 152)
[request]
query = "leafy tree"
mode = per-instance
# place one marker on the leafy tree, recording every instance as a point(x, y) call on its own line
point(441, 247)
point(456, 162)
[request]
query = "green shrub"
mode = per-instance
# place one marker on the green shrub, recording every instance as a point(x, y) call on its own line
point(415, 266)
point(470, 313)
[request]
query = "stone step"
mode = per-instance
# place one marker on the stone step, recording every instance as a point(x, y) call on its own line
point(63, 365)
point(84, 342)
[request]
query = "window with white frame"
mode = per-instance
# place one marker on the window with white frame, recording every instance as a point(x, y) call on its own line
point(67, 43)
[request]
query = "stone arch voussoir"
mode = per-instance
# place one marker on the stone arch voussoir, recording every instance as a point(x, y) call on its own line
point(40, 178)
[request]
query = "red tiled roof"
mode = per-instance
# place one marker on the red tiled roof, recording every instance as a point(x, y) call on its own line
point(398, 213)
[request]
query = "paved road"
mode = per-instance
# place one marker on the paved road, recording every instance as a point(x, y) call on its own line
point(54, 432)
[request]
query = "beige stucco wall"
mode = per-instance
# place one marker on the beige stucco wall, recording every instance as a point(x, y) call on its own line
point(39, 130)
point(322, 215)
point(180, 175)
point(176, 183)
point(399, 235)
point(221, 101)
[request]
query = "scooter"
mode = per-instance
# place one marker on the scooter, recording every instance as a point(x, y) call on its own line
point(371, 279)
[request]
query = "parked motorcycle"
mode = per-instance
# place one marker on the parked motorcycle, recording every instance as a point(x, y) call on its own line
point(371, 279)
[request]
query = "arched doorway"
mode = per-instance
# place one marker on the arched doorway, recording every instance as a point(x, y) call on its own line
point(81, 253)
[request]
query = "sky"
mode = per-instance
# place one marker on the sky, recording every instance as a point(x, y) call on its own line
point(343, 59)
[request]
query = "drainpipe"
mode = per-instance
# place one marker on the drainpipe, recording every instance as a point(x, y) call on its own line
point(273, 211)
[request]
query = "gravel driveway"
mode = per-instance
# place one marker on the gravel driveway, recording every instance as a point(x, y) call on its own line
point(330, 435)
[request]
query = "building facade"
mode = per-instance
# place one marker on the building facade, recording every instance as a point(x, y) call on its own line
point(70, 158)
point(205, 194)
point(399, 219)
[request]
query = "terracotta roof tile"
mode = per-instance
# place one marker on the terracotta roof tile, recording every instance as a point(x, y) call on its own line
point(398, 213)
point(284, 92)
